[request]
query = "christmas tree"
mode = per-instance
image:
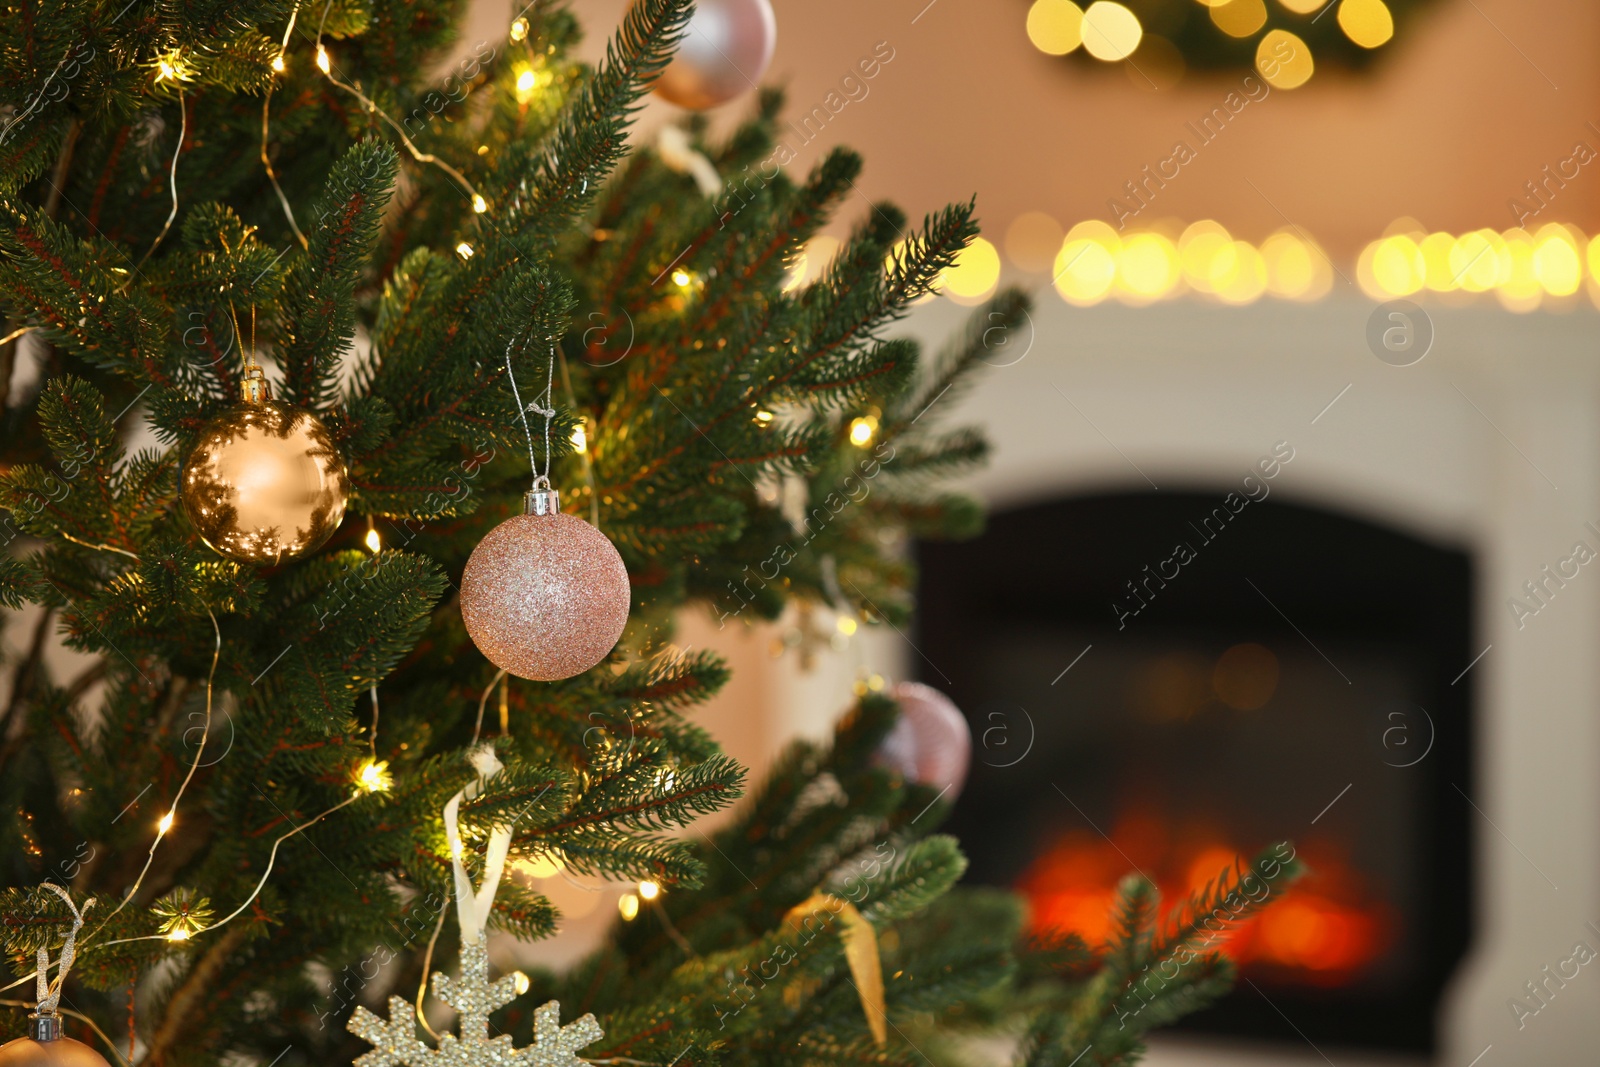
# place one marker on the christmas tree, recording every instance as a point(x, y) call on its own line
point(249, 779)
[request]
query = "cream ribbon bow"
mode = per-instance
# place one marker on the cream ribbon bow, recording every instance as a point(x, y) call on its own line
point(473, 906)
point(673, 146)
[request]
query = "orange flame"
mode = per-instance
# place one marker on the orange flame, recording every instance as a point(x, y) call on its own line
point(1327, 930)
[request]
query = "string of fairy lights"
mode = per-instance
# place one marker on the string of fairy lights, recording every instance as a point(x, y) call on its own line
point(186, 916)
point(190, 917)
point(1554, 267)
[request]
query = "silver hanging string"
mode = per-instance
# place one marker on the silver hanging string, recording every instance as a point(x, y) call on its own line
point(547, 409)
point(48, 992)
point(549, 413)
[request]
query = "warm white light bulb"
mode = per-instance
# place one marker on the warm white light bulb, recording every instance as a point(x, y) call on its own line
point(464, 250)
point(649, 890)
point(519, 29)
point(520, 982)
point(374, 542)
point(373, 777)
point(324, 64)
point(277, 63)
point(166, 822)
point(178, 934)
point(629, 907)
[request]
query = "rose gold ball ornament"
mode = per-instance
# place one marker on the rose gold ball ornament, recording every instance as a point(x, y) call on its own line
point(265, 482)
point(930, 742)
point(46, 1047)
point(723, 54)
point(545, 595)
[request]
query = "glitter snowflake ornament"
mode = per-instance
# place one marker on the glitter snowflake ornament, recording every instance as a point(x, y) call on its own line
point(395, 1042)
point(474, 996)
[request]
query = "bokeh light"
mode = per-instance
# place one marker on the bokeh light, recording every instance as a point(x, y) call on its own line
point(1239, 278)
point(1366, 22)
point(1475, 261)
point(1086, 267)
point(974, 273)
point(1398, 266)
point(1296, 268)
point(1436, 247)
point(1239, 18)
point(1284, 60)
point(1245, 678)
point(1524, 271)
point(1519, 288)
point(1110, 31)
point(1147, 267)
point(1200, 243)
point(1556, 263)
point(1055, 26)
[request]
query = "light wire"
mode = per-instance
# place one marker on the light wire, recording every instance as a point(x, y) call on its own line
point(183, 132)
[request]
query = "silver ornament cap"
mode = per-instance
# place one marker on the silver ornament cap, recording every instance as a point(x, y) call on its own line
point(541, 502)
point(44, 1026)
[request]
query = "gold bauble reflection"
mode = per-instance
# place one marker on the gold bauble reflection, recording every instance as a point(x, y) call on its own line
point(265, 483)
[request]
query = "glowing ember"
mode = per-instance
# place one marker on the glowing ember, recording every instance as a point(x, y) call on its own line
point(1327, 930)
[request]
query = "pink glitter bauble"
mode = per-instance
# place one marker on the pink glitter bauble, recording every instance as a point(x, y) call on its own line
point(545, 596)
point(930, 742)
point(723, 54)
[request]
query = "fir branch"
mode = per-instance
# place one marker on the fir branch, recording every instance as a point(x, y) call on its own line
point(589, 141)
point(319, 311)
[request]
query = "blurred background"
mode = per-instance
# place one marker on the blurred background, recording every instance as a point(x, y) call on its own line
point(1217, 222)
point(1295, 484)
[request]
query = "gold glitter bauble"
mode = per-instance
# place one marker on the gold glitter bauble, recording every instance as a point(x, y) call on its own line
point(545, 595)
point(62, 1052)
point(45, 1045)
point(265, 482)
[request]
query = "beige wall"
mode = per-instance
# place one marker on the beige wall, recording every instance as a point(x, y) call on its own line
point(1475, 97)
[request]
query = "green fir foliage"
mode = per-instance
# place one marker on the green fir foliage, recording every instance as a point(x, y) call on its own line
point(394, 239)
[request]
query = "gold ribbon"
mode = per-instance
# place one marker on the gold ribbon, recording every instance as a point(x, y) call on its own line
point(860, 952)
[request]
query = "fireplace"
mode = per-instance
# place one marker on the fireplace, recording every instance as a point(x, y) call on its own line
point(1164, 681)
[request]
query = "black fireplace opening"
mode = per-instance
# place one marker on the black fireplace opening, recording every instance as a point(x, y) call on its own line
point(1158, 681)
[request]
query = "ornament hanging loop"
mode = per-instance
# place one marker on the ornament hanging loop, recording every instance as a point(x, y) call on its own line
point(541, 480)
point(44, 1024)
